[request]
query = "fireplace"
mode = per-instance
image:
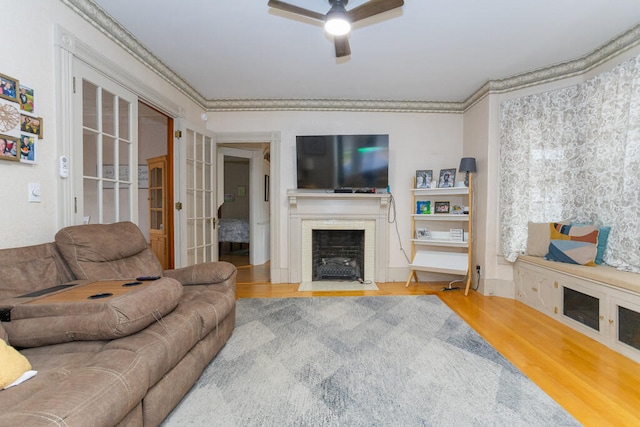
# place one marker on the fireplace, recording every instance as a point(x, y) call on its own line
point(359, 214)
point(337, 254)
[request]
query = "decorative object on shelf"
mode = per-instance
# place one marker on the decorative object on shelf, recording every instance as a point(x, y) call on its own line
point(467, 165)
point(447, 178)
point(442, 207)
point(423, 233)
point(457, 209)
point(456, 234)
point(423, 207)
point(423, 178)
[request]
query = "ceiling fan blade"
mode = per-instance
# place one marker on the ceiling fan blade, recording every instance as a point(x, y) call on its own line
point(276, 4)
point(342, 46)
point(373, 7)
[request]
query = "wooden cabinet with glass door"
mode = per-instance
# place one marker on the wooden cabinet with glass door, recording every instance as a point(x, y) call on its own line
point(158, 238)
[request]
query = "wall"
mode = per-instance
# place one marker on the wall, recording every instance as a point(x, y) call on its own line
point(417, 141)
point(236, 174)
point(30, 56)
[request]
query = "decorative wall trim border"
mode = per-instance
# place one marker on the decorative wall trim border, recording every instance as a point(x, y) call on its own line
point(116, 32)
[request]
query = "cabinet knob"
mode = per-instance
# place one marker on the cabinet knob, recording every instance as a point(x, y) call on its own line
point(534, 289)
point(611, 321)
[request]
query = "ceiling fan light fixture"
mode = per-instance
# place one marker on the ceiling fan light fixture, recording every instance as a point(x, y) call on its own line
point(337, 21)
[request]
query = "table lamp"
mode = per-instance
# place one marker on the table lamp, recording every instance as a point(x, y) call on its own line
point(467, 164)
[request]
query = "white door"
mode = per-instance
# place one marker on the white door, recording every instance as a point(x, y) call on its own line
point(105, 149)
point(195, 215)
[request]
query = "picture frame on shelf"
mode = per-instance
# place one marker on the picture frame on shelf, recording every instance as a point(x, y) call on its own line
point(456, 235)
point(423, 178)
point(9, 148)
point(442, 207)
point(457, 209)
point(423, 233)
point(9, 88)
point(447, 178)
point(27, 99)
point(423, 207)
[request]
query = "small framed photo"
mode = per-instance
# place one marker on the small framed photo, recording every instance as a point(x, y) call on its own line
point(9, 148)
point(32, 125)
point(27, 99)
point(447, 178)
point(28, 145)
point(423, 178)
point(442, 207)
point(9, 88)
point(423, 233)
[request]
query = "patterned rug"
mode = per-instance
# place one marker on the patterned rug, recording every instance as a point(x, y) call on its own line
point(361, 361)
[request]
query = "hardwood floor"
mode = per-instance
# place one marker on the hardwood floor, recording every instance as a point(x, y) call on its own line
point(598, 386)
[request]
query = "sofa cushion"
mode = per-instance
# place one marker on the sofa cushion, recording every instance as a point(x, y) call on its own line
point(45, 320)
point(31, 268)
point(97, 389)
point(14, 365)
point(99, 251)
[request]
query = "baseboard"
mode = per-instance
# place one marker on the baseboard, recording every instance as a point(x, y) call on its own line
point(498, 288)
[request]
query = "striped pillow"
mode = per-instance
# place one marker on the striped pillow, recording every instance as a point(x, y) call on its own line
point(573, 244)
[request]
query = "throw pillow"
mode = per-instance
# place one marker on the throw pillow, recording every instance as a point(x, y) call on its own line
point(603, 236)
point(573, 244)
point(14, 365)
point(538, 238)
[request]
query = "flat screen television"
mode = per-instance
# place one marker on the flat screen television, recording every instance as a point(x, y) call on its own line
point(338, 161)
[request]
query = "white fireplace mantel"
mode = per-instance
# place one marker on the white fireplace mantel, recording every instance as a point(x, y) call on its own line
point(338, 211)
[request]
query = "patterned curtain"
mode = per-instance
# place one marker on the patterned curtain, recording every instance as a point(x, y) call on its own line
point(574, 154)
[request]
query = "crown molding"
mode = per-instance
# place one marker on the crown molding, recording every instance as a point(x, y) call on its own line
point(121, 36)
point(333, 105)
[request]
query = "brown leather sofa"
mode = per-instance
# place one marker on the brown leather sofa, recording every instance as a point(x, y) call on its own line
point(120, 360)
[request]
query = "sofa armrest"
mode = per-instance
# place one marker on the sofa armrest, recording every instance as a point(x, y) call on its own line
point(204, 274)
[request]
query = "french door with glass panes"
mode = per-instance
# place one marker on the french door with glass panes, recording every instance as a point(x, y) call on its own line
point(196, 222)
point(105, 148)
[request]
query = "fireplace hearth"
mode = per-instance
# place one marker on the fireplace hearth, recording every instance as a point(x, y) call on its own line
point(337, 254)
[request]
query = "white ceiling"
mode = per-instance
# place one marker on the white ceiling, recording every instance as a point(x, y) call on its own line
point(429, 50)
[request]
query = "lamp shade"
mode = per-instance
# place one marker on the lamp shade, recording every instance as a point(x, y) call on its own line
point(467, 164)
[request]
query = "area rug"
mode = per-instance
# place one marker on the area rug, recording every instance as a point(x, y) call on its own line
point(361, 361)
point(337, 286)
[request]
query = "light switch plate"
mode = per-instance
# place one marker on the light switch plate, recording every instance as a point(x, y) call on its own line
point(35, 196)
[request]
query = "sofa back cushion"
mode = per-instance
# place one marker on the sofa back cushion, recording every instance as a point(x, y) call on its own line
point(31, 268)
point(107, 251)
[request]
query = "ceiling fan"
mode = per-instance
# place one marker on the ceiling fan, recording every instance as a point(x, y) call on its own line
point(338, 20)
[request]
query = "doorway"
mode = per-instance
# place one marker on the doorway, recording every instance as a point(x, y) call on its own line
point(155, 154)
point(244, 211)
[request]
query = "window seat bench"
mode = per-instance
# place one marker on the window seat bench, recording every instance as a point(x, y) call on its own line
point(600, 273)
point(601, 302)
